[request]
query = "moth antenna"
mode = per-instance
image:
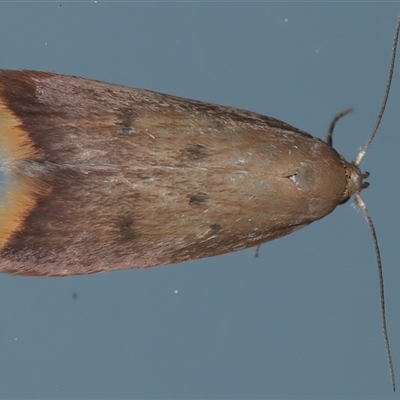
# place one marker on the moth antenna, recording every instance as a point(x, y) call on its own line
point(360, 202)
point(362, 152)
point(328, 137)
point(364, 209)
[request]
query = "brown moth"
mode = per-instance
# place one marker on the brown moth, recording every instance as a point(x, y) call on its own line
point(103, 177)
point(100, 177)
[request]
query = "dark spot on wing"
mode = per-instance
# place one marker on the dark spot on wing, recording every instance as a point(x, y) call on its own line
point(197, 199)
point(125, 226)
point(216, 227)
point(127, 117)
point(196, 152)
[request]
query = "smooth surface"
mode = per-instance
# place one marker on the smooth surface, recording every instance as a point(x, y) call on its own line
point(300, 321)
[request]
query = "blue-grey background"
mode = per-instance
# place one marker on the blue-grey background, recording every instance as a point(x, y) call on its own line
point(303, 320)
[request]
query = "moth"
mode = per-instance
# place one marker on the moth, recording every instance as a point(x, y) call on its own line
point(100, 177)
